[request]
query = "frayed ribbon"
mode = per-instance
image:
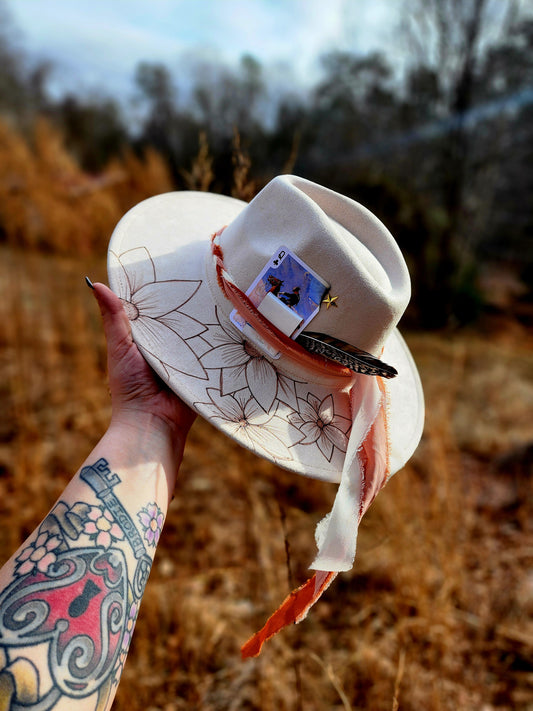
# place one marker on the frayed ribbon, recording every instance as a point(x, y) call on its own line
point(365, 471)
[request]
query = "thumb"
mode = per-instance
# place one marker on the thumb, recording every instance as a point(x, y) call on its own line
point(116, 324)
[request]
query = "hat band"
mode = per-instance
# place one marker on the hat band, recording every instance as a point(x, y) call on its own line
point(274, 337)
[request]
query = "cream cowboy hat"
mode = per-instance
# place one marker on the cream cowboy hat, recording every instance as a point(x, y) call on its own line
point(199, 277)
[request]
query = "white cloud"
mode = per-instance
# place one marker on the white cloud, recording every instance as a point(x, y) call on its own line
point(99, 43)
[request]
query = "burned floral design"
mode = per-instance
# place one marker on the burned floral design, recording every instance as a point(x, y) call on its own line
point(243, 366)
point(156, 327)
point(317, 421)
point(244, 419)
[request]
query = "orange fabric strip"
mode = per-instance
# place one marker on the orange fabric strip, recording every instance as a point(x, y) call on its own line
point(373, 454)
point(293, 609)
point(296, 606)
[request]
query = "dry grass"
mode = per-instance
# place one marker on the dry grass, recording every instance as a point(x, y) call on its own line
point(48, 203)
point(438, 612)
point(201, 174)
point(244, 188)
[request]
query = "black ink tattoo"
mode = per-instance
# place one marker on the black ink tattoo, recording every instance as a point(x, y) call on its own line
point(102, 481)
point(77, 597)
point(142, 571)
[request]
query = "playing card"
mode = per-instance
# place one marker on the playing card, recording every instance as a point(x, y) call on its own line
point(287, 292)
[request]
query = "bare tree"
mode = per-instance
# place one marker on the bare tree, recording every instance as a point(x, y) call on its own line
point(448, 40)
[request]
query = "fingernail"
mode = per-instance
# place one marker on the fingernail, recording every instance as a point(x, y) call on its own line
point(89, 283)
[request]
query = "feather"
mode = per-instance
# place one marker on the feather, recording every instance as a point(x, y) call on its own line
point(354, 358)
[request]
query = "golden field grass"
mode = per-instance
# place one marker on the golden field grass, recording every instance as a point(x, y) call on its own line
point(436, 615)
point(438, 611)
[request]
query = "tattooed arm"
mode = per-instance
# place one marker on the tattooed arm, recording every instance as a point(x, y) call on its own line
point(70, 595)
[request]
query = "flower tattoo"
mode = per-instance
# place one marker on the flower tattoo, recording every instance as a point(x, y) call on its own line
point(101, 527)
point(40, 554)
point(151, 518)
point(126, 640)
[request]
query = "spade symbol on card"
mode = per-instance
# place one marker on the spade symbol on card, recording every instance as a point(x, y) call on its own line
point(280, 256)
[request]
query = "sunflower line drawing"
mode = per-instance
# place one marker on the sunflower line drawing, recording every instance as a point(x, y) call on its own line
point(155, 327)
point(317, 421)
point(243, 366)
point(242, 417)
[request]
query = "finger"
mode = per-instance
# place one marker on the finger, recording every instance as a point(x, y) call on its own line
point(116, 324)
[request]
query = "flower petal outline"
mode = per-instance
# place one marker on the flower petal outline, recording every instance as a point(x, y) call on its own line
point(154, 337)
point(153, 298)
point(262, 379)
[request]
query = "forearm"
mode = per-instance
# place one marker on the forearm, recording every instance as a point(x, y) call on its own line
point(70, 595)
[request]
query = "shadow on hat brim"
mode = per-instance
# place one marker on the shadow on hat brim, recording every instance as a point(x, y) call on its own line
point(159, 263)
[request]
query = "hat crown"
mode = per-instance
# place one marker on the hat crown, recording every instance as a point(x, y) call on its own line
point(342, 241)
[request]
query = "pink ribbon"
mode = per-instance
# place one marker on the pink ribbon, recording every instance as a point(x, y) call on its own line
point(365, 471)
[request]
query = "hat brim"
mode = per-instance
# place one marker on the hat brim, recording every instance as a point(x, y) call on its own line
point(159, 264)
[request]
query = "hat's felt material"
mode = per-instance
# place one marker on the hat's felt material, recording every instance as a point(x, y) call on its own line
point(160, 264)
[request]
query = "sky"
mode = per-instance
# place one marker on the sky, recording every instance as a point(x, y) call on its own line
point(94, 45)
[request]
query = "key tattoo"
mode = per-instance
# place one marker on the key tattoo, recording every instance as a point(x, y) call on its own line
point(73, 592)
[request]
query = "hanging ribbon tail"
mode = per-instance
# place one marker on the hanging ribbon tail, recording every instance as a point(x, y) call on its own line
point(336, 533)
point(365, 471)
point(293, 609)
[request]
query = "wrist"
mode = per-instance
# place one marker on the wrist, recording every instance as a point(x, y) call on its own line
point(148, 437)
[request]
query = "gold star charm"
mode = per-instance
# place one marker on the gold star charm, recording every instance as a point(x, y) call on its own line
point(330, 301)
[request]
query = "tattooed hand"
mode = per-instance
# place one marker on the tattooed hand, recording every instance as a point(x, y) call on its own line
point(136, 391)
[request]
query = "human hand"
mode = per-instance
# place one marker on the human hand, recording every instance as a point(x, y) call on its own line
point(137, 393)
